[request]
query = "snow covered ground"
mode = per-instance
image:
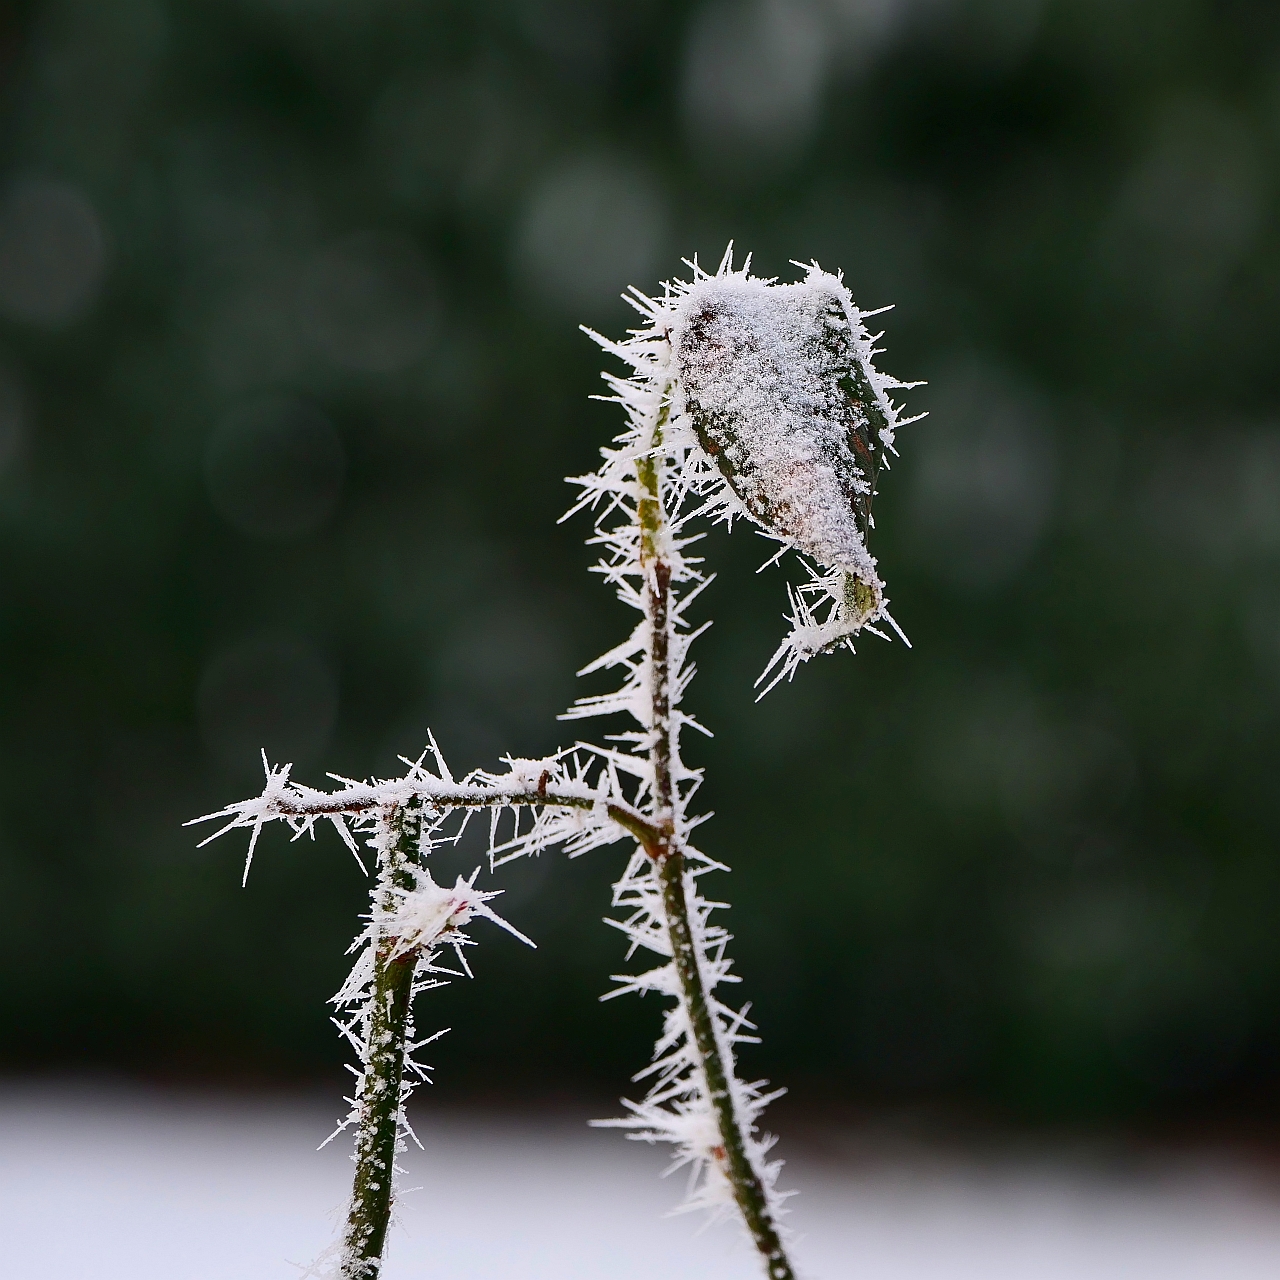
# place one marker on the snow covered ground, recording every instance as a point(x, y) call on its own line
point(103, 1183)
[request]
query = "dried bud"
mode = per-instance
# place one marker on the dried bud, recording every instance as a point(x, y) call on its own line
point(779, 390)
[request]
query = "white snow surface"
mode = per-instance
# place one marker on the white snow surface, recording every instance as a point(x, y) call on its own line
point(132, 1184)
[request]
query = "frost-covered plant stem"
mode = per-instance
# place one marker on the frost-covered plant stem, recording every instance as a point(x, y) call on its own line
point(746, 400)
point(748, 1191)
point(731, 1151)
point(379, 1101)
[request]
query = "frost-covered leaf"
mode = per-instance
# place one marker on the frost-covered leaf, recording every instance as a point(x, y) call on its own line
point(771, 408)
point(779, 393)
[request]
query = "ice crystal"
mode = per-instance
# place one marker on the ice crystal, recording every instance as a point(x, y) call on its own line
point(574, 799)
point(777, 413)
point(677, 1107)
point(745, 398)
point(412, 919)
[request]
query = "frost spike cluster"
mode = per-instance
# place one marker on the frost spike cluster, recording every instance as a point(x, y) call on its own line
point(413, 919)
point(575, 798)
point(678, 1107)
point(778, 414)
point(744, 398)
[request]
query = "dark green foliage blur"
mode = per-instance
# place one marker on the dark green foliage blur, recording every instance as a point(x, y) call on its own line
point(290, 375)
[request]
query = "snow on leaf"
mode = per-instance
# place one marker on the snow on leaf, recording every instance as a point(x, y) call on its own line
point(774, 412)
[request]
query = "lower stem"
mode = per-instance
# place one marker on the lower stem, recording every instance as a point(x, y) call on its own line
point(378, 1124)
point(732, 1155)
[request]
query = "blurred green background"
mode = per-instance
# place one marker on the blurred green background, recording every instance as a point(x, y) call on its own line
point(290, 376)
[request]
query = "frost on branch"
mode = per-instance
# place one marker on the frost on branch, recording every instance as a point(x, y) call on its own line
point(412, 921)
point(573, 799)
point(744, 398)
point(763, 454)
point(676, 1108)
point(747, 398)
point(425, 915)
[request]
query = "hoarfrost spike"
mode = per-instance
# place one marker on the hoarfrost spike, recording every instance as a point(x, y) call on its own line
point(776, 413)
point(746, 398)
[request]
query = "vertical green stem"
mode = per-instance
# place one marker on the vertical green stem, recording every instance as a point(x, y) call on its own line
point(379, 1102)
point(732, 1154)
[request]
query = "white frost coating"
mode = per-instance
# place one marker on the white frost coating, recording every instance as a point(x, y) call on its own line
point(569, 795)
point(756, 354)
point(421, 921)
point(773, 367)
point(749, 395)
point(745, 398)
point(575, 799)
point(676, 1108)
point(428, 914)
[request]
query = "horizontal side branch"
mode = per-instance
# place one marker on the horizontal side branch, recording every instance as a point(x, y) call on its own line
point(290, 802)
point(366, 799)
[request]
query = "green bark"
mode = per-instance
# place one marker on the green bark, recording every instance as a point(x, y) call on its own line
point(379, 1102)
point(748, 1191)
